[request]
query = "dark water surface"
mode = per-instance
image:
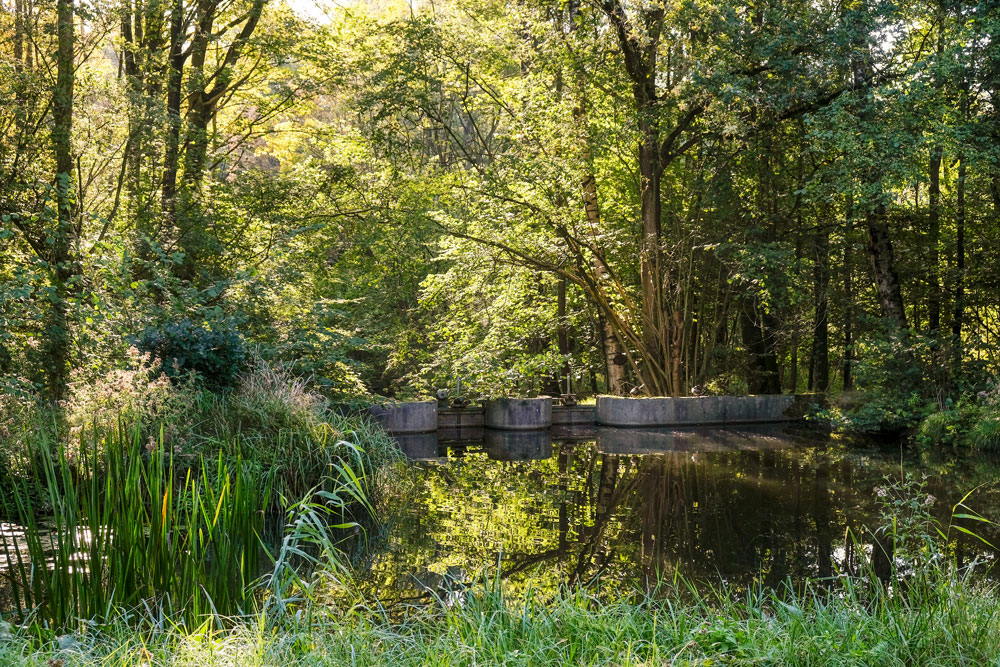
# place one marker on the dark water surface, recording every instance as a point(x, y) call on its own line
point(618, 508)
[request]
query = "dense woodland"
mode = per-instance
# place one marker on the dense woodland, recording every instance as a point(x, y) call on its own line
point(640, 196)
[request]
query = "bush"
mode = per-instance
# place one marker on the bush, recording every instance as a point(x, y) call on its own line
point(216, 353)
point(275, 420)
point(898, 377)
point(142, 396)
point(268, 401)
point(974, 421)
point(941, 428)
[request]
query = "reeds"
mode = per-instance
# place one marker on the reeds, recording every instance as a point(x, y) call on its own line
point(129, 528)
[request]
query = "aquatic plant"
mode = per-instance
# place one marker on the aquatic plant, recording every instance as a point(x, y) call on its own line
point(129, 527)
point(953, 622)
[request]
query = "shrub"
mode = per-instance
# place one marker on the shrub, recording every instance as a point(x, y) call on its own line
point(274, 419)
point(899, 377)
point(141, 395)
point(216, 353)
point(940, 428)
point(973, 421)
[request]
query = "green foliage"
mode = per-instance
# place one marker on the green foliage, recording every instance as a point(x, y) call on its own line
point(941, 428)
point(974, 421)
point(141, 395)
point(985, 434)
point(130, 527)
point(215, 352)
point(286, 428)
point(898, 375)
point(124, 526)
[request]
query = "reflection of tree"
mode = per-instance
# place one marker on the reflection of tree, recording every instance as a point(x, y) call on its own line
point(581, 515)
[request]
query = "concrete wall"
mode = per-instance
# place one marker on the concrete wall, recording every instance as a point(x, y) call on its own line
point(410, 417)
point(568, 415)
point(519, 414)
point(616, 411)
point(461, 418)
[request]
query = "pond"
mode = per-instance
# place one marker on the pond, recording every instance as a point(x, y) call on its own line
point(620, 508)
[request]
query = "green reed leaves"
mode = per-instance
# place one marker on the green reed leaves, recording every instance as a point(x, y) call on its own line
point(125, 526)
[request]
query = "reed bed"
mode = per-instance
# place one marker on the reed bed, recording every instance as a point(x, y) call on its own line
point(129, 529)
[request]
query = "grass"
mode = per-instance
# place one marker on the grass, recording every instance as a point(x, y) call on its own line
point(928, 611)
point(954, 622)
point(969, 424)
point(985, 434)
point(126, 528)
point(131, 528)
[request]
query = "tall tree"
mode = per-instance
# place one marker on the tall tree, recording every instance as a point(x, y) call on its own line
point(62, 262)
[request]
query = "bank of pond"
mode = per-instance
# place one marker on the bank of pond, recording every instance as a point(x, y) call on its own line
point(774, 543)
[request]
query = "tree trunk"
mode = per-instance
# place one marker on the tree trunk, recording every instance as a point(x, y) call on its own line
point(562, 337)
point(820, 363)
point(887, 287)
point(62, 239)
point(639, 53)
point(762, 368)
point(653, 321)
point(848, 364)
point(614, 369)
point(959, 312)
point(934, 231)
point(934, 198)
point(175, 77)
point(18, 35)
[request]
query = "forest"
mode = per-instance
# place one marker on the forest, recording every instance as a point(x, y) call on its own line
point(227, 227)
point(780, 197)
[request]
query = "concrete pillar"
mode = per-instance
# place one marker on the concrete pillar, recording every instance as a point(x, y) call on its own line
point(409, 417)
point(519, 414)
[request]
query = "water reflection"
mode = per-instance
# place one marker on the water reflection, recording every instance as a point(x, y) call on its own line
point(627, 506)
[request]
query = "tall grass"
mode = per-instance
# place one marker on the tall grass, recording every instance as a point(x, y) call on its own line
point(127, 527)
point(130, 528)
point(276, 421)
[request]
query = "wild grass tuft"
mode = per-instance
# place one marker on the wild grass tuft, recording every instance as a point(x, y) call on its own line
point(940, 427)
point(985, 434)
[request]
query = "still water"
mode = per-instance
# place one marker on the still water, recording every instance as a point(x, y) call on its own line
point(619, 508)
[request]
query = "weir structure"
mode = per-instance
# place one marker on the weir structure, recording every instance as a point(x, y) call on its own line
point(534, 414)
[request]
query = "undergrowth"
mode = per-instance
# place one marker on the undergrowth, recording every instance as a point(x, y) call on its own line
point(973, 421)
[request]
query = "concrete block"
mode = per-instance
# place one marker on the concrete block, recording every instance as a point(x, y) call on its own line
point(690, 410)
point(519, 413)
point(565, 415)
point(461, 418)
point(408, 417)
